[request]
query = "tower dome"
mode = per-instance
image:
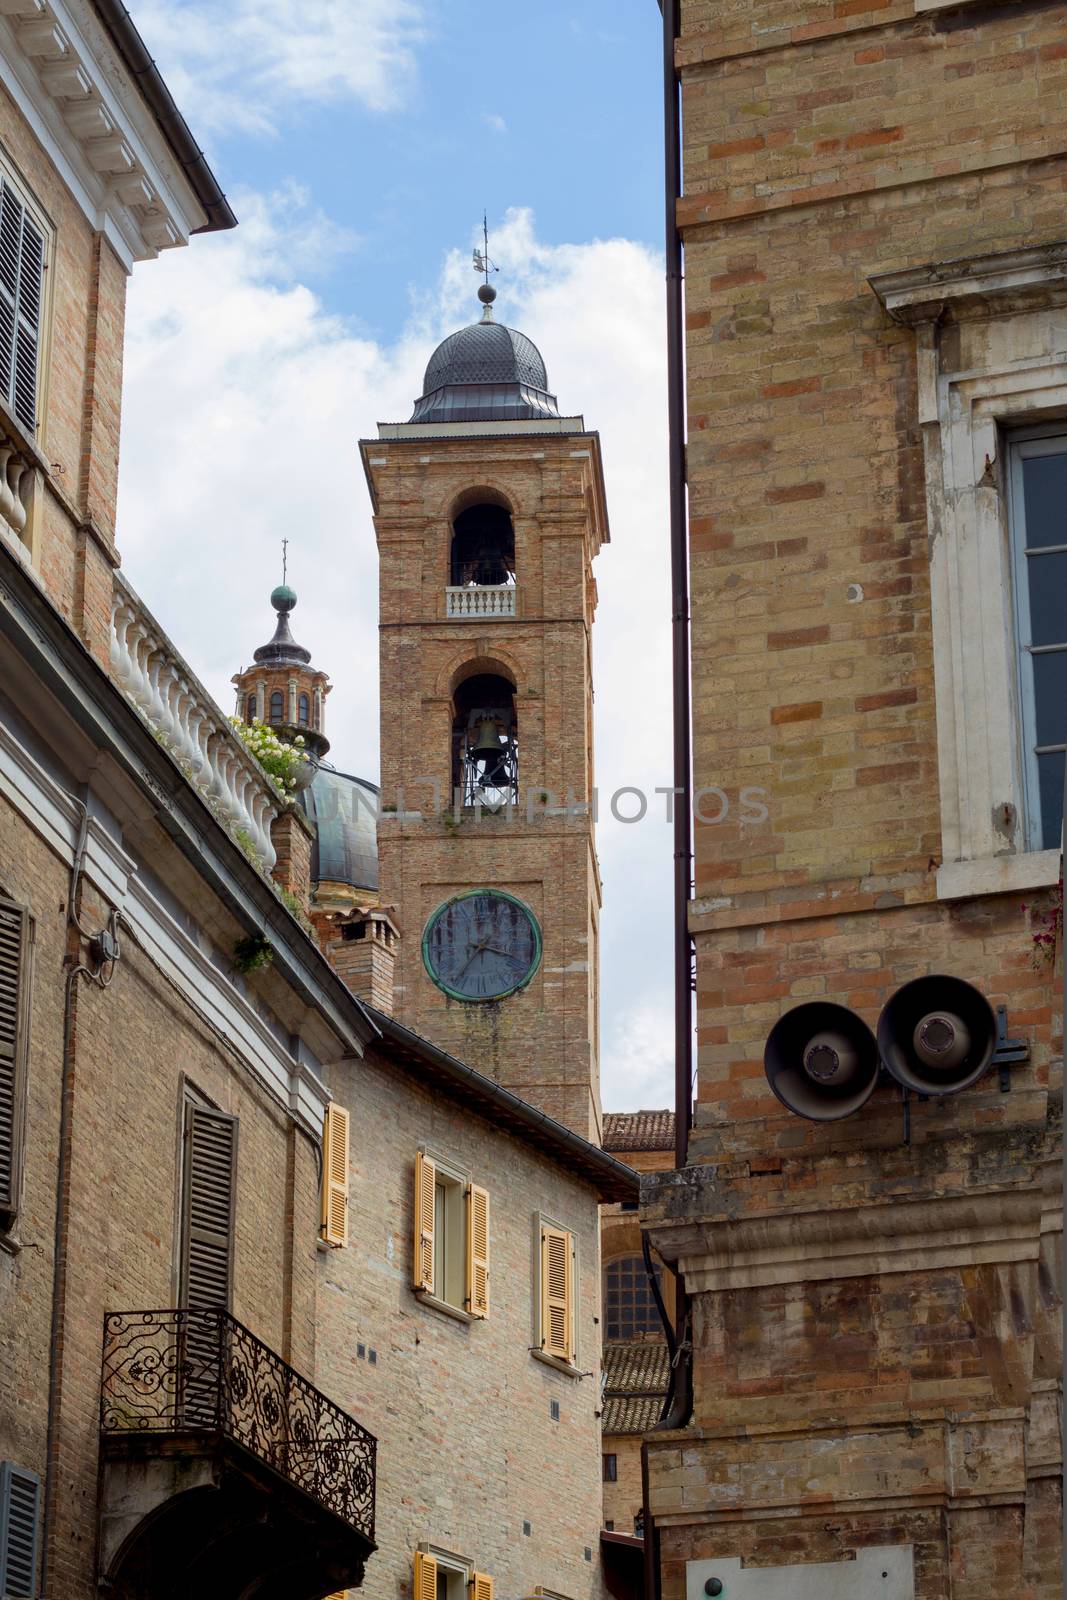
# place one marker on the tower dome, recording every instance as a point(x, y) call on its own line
point(485, 373)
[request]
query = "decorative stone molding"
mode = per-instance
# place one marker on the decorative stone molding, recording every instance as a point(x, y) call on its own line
point(20, 462)
point(186, 718)
point(62, 71)
point(476, 601)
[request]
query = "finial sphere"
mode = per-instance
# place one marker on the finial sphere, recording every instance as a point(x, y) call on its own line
point(283, 598)
point(486, 293)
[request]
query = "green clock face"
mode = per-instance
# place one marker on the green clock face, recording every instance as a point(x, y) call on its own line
point(481, 945)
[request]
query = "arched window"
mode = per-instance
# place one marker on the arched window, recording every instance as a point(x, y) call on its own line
point(250, 708)
point(629, 1309)
point(277, 706)
point(485, 742)
point(303, 711)
point(483, 547)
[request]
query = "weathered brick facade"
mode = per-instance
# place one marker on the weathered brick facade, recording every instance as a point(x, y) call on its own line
point(873, 1347)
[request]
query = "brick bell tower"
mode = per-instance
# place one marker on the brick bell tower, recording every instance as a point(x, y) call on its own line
point(489, 508)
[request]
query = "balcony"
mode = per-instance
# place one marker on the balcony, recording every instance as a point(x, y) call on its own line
point(186, 719)
point(223, 1470)
point(475, 602)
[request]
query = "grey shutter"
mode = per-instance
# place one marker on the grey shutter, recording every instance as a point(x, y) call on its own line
point(20, 1495)
point(208, 1209)
point(14, 997)
point(21, 283)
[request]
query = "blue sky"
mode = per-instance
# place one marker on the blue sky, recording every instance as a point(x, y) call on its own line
point(358, 141)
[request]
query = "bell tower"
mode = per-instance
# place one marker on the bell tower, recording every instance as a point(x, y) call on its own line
point(489, 509)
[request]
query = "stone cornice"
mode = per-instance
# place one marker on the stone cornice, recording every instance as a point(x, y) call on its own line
point(66, 78)
point(1010, 280)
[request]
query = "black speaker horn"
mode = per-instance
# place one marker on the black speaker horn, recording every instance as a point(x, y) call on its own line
point(937, 1035)
point(821, 1060)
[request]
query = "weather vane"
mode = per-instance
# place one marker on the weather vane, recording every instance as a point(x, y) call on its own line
point(285, 558)
point(482, 262)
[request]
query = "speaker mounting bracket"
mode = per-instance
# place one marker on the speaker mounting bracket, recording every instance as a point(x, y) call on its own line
point(1007, 1050)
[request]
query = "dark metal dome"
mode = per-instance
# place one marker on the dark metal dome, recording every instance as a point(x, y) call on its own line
point(485, 373)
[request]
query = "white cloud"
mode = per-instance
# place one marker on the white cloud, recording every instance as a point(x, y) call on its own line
point(244, 402)
point(232, 64)
point(492, 120)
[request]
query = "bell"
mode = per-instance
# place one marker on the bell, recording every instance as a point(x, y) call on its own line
point(486, 745)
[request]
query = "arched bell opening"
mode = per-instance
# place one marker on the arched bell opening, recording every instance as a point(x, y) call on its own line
point(485, 741)
point(483, 548)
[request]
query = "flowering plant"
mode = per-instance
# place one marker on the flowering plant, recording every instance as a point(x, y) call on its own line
point(279, 758)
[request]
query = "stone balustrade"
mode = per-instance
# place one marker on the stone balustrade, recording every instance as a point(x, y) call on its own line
point(475, 601)
point(182, 713)
point(17, 465)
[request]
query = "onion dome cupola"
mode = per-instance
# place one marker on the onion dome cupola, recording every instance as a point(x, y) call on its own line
point(485, 373)
point(282, 688)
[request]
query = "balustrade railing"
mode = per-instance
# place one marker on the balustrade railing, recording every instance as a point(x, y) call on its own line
point(203, 1372)
point(17, 467)
point(183, 714)
point(480, 600)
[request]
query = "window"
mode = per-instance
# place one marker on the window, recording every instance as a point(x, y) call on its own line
point(451, 1254)
point(1038, 515)
point(440, 1575)
point(20, 1495)
point(483, 547)
point(22, 264)
point(250, 708)
point(16, 933)
point(556, 1322)
point(629, 1305)
point(611, 1468)
point(208, 1197)
point(277, 706)
point(303, 711)
point(485, 741)
point(334, 1226)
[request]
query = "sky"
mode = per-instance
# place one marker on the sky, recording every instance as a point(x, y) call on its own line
point(359, 142)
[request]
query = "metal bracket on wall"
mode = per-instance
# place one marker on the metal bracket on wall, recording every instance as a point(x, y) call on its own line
point(1007, 1050)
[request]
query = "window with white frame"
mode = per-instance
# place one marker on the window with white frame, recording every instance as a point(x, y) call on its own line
point(22, 269)
point(1037, 509)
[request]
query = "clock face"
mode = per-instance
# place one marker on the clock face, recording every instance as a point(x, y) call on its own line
point(481, 945)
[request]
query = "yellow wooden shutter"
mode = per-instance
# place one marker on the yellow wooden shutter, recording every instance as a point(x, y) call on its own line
point(480, 1586)
point(335, 1175)
point(557, 1293)
point(478, 1258)
point(425, 1584)
point(425, 1186)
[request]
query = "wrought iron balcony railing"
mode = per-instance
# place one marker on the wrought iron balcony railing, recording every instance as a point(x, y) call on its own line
point(202, 1372)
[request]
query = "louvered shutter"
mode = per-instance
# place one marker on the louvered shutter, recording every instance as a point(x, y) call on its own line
point(557, 1296)
point(424, 1586)
point(481, 1586)
point(477, 1251)
point(20, 1495)
point(21, 288)
point(425, 1196)
point(210, 1182)
point(335, 1175)
point(14, 999)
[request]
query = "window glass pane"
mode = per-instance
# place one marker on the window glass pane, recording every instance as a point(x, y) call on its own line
point(1050, 784)
point(1048, 598)
point(1050, 693)
point(1045, 493)
point(630, 1309)
point(276, 706)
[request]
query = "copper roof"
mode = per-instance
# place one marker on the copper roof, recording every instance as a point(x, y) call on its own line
point(639, 1130)
point(635, 1385)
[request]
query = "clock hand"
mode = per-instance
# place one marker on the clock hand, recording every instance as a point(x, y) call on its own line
point(507, 954)
point(475, 952)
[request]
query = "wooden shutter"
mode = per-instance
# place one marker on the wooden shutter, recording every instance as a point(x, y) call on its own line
point(477, 1253)
point(20, 1495)
point(335, 1175)
point(425, 1187)
point(557, 1292)
point(424, 1586)
point(208, 1208)
point(480, 1586)
point(15, 930)
point(21, 285)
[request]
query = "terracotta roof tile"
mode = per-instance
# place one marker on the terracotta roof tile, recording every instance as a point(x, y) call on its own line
point(639, 1130)
point(631, 1413)
point(639, 1368)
